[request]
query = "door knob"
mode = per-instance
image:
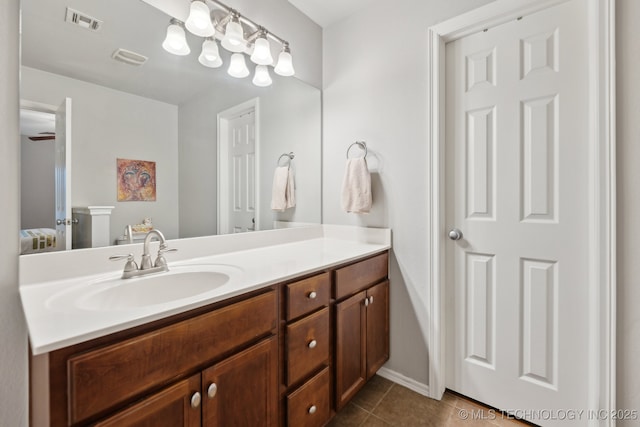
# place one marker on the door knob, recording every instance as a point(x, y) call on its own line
point(455, 234)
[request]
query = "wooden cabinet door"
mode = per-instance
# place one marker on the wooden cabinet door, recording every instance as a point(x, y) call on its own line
point(377, 327)
point(351, 337)
point(243, 389)
point(174, 406)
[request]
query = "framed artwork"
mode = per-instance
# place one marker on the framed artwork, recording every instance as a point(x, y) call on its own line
point(136, 180)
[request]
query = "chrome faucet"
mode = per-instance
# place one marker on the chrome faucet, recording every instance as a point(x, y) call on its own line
point(146, 267)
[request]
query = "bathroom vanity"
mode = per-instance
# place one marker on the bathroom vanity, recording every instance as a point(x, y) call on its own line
point(288, 340)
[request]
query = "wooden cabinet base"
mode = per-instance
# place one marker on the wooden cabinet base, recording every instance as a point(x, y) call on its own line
point(289, 355)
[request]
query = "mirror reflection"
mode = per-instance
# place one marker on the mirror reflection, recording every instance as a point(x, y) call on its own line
point(208, 142)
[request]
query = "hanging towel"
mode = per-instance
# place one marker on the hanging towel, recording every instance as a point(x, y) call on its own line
point(283, 193)
point(356, 187)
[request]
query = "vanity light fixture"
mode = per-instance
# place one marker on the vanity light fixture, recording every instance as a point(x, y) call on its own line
point(210, 55)
point(262, 77)
point(238, 66)
point(262, 49)
point(199, 20)
point(176, 41)
point(215, 21)
point(233, 39)
point(284, 67)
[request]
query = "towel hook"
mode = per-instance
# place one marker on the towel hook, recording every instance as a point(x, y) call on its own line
point(290, 155)
point(362, 144)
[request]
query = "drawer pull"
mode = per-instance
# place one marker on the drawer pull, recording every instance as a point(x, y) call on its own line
point(212, 390)
point(313, 295)
point(313, 409)
point(195, 400)
point(313, 344)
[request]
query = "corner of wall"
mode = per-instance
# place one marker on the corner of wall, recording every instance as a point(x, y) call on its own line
point(13, 351)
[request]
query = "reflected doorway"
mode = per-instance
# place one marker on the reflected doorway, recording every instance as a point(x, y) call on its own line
point(238, 147)
point(45, 162)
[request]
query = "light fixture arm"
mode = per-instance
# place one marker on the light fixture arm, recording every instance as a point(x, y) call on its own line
point(260, 32)
point(232, 13)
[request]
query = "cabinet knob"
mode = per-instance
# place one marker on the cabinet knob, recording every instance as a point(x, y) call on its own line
point(313, 344)
point(366, 302)
point(212, 390)
point(313, 295)
point(195, 400)
point(371, 299)
point(313, 409)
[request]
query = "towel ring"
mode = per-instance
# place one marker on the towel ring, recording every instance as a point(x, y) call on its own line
point(290, 155)
point(362, 144)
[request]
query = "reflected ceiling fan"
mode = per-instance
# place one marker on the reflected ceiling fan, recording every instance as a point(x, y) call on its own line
point(43, 136)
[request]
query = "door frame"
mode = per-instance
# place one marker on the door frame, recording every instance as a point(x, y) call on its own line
point(602, 185)
point(223, 119)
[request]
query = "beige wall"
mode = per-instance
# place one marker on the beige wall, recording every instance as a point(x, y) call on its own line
point(628, 158)
point(13, 333)
point(375, 89)
point(108, 124)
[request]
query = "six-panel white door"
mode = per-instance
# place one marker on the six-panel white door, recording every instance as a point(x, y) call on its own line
point(242, 173)
point(517, 162)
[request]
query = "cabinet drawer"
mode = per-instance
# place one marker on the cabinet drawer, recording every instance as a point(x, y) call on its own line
point(307, 345)
point(307, 295)
point(102, 378)
point(308, 406)
point(355, 277)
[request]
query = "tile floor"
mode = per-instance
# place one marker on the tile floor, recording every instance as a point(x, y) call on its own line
point(384, 403)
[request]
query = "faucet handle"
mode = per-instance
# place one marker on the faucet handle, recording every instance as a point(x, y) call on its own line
point(160, 260)
point(165, 248)
point(130, 265)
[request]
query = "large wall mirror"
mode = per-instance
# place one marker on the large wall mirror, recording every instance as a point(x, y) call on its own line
point(171, 112)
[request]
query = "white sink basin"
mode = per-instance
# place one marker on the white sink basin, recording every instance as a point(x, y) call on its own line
point(115, 293)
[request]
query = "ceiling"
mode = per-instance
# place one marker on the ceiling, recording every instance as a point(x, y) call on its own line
point(33, 123)
point(51, 44)
point(327, 12)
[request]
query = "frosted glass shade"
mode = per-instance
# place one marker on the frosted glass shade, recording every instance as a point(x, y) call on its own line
point(238, 66)
point(199, 21)
point(284, 67)
point(262, 77)
point(210, 56)
point(176, 42)
point(262, 52)
point(233, 39)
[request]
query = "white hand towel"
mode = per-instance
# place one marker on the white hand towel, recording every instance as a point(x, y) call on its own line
point(356, 187)
point(291, 189)
point(283, 192)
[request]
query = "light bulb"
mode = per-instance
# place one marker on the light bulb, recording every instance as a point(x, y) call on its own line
point(238, 66)
point(262, 52)
point(176, 41)
point(199, 21)
point(262, 77)
point(285, 64)
point(210, 57)
point(233, 39)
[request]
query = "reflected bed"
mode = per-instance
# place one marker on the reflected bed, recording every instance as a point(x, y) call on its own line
point(36, 240)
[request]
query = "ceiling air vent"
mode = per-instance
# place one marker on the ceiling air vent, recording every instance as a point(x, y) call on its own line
point(83, 20)
point(128, 57)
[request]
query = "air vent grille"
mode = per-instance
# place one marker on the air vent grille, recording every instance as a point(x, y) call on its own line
point(129, 57)
point(83, 20)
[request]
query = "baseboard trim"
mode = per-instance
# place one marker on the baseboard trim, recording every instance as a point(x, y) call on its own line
point(407, 382)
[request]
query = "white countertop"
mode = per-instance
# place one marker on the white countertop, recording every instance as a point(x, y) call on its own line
point(258, 260)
